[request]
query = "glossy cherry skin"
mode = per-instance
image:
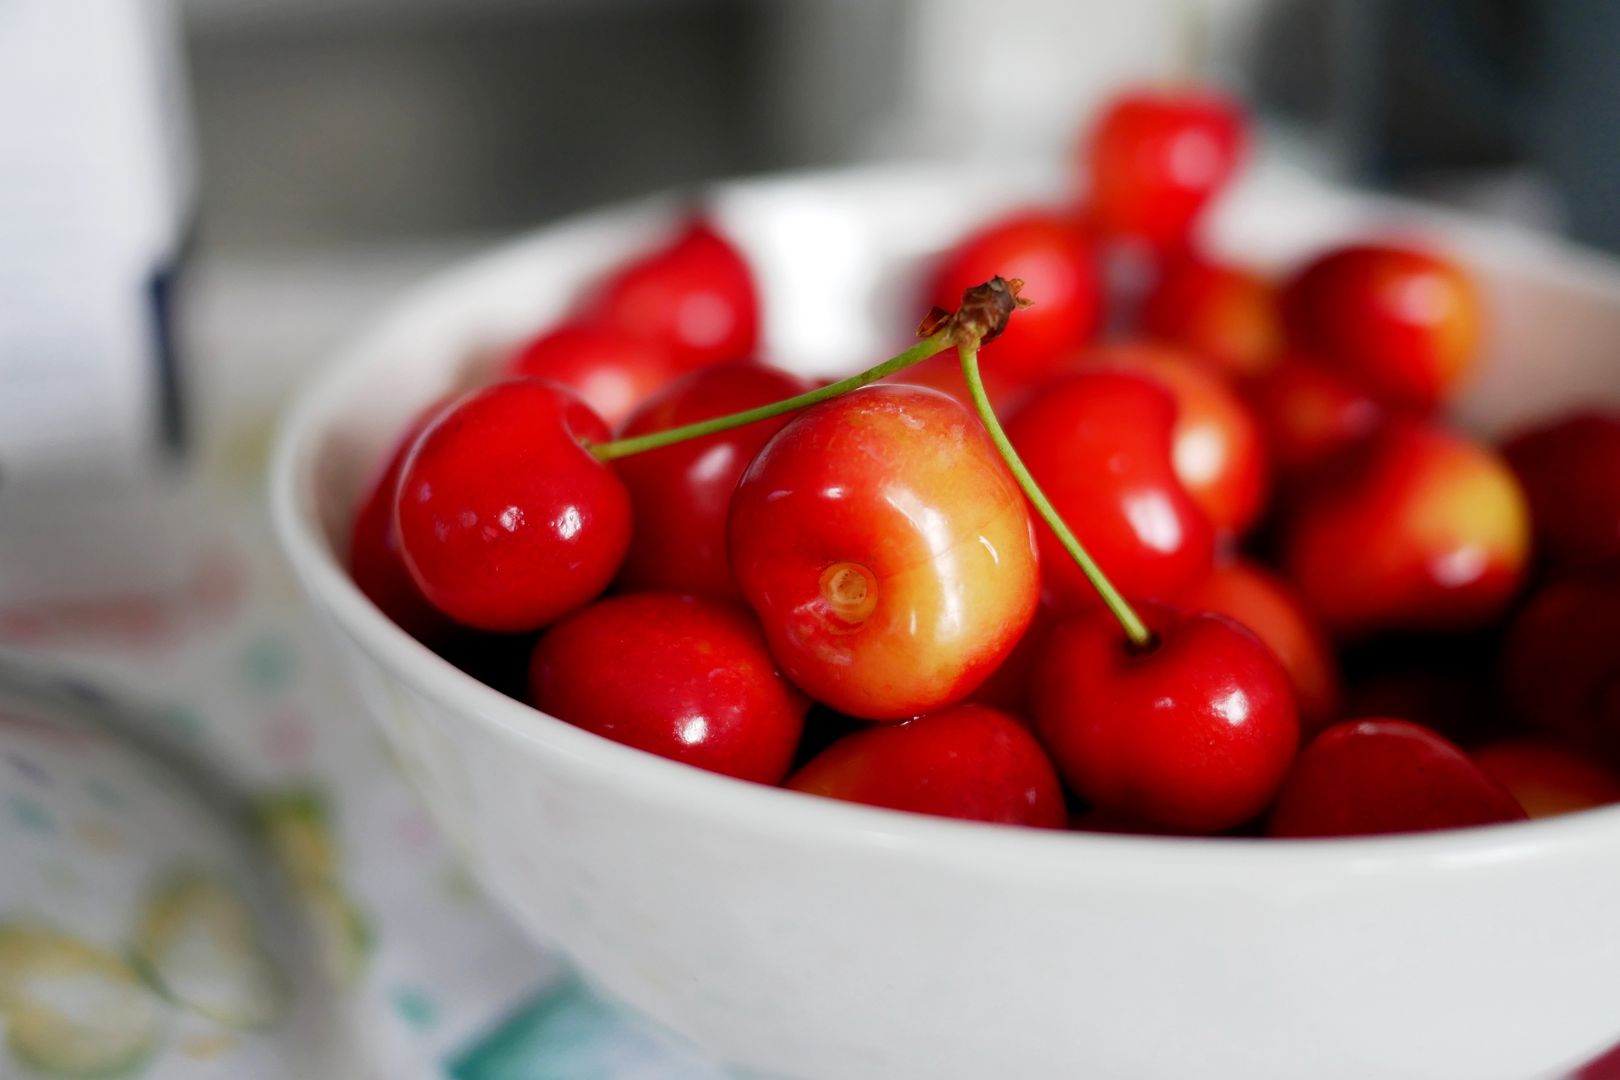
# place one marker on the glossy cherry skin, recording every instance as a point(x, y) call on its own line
point(1224, 315)
point(696, 297)
point(966, 761)
point(681, 494)
point(1053, 256)
point(1217, 450)
point(887, 551)
point(1369, 777)
point(1309, 413)
point(375, 562)
point(1099, 444)
point(1192, 734)
point(1402, 322)
point(505, 520)
point(683, 677)
point(1156, 157)
point(612, 371)
point(1418, 529)
point(1273, 609)
point(1570, 471)
point(1561, 658)
point(1547, 777)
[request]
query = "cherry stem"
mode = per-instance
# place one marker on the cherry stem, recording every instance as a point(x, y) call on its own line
point(1135, 629)
point(655, 440)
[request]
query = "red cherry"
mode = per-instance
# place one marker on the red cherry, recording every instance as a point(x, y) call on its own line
point(1277, 614)
point(375, 562)
point(1561, 658)
point(888, 553)
point(1417, 529)
point(505, 520)
point(683, 677)
point(696, 297)
point(1367, 777)
point(1570, 469)
point(1054, 258)
point(1224, 315)
point(1216, 447)
point(612, 371)
point(1547, 777)
point(963, 762)
point(1099, 445)
point(1193, 733)
point(1156, 157)
point(1309, 414)
point(681, 494)
point(1405, 323)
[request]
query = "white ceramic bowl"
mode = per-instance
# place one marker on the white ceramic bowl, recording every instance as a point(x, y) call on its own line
point(804, 937)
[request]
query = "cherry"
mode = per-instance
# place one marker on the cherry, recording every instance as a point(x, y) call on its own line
point(681, 494)
point(1367, 777)
point(1099, 445)
point(375, 561)
point(966, 761)
point(696, 297)
point(1309, 413)
point(1224, 315)
point(1570, 470)
point(1192, 732)
point(1277, 614)
point(683, 677)
point(612, 371)
point(1051, 254)
point(1417, 529)
point(1547, 777)
point(1561, 657)
point(1403, 322)
point(1156, 157)
point(506, 521)
point(887, 552)
point(1216, 447)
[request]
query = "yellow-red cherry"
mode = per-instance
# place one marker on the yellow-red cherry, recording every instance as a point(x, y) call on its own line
point(887, 551)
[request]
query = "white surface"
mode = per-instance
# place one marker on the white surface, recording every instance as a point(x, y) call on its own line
point(810, 938)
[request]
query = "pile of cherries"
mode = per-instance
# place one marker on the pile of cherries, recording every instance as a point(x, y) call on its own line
point(1227, 571)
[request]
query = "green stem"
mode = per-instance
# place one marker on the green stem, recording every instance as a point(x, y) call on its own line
point(639, 444)
point(1136, 630)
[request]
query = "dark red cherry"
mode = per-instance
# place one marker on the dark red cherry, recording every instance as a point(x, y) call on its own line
point(1053, 256)
point(1366, 777)
point(1156, 157)
point(611, 370)
point(967, 761)
point(506, 521)
point(681, 494)
point(1192, 733)
point(1099, 444)
point(375, 562)
point(1570, 471)
point(696, 297)
point(683, 677)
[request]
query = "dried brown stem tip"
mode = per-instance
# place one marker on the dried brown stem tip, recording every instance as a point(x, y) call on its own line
point(983, 315)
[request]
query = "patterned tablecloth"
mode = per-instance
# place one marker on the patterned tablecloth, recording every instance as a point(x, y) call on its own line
point(212, 867)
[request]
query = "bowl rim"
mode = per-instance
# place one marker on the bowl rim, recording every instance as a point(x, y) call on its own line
point(316, 409)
